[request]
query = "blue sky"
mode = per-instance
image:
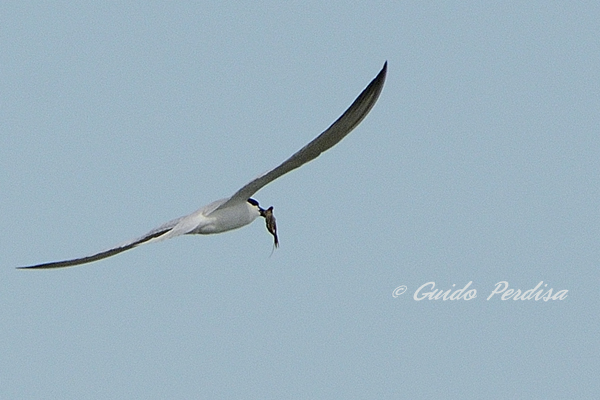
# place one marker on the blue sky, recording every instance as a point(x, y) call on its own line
point(478, 164)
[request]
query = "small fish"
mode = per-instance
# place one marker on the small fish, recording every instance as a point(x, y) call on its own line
point(271, 224)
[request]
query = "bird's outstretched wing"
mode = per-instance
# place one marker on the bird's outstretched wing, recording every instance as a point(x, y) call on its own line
point(180, 226)
point(162, 232)
point(326, 140)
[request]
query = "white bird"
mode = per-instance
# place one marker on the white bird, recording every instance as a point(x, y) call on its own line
point(240, 209)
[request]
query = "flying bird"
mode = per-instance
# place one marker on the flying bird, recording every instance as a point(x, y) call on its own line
point(241, 209)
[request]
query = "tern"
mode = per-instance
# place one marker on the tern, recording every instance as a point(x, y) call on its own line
point(241, 209)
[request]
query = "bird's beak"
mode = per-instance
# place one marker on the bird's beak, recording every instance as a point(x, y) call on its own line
point(270, 222)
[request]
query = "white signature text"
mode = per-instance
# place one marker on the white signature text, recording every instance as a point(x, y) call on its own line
point(501, 291)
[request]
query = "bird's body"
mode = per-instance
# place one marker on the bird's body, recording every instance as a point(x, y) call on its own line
point(210, 219)
point(240, 209)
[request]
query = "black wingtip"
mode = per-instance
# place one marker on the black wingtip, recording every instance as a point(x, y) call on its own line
point(383, 72)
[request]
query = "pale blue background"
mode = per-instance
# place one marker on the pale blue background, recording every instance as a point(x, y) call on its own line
point(479, 163)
